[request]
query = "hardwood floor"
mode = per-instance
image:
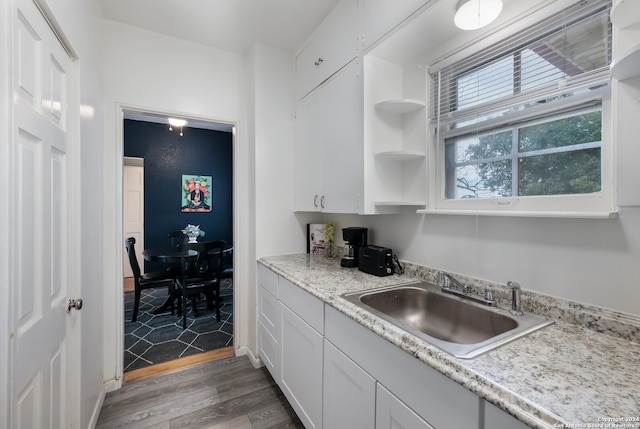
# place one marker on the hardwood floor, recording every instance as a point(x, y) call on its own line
point(222, 394)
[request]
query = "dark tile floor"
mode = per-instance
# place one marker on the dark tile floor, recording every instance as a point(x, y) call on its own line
point(154, 339)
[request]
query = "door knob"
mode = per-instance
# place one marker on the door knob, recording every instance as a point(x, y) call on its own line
point(74, 303)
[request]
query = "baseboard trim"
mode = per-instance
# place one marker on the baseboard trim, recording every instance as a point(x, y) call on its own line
point(178, 364)
point(96, 410)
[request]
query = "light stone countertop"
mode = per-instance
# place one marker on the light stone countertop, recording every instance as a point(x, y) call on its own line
point(582, 371)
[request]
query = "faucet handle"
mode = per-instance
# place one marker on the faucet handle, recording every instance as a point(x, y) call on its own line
point(488, 295)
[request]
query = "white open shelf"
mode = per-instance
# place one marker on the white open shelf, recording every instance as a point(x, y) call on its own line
point(628, 65)
point(400, 106)
point(400, 155)
point(625, 13)
point(401, 203)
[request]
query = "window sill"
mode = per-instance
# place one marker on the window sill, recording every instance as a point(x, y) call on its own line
point(522, 213)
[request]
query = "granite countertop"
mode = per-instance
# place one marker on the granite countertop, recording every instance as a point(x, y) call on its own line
point(581, 371)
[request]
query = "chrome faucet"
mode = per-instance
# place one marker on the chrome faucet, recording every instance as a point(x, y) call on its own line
point(463, 290)
point(515, 298)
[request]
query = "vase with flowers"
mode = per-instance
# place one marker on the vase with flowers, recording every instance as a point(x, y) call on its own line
point(193, 232)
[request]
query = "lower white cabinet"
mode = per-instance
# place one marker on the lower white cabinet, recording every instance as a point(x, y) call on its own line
point(269, 331)
point(349, 392)
point(301, 368)
point(495, 418)
point(337, 374)
point(269, 320)
point(391, 413)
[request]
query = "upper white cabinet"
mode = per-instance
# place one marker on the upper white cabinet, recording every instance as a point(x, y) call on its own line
point(379, 17)
point(328, 146)
point(625, 17)
point(334, 43)
point(361, 128)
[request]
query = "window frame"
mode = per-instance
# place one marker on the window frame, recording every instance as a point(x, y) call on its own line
point(593, 205)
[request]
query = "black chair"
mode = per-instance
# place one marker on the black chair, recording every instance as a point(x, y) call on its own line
point(227, 265)
point(147, 280)
point(201, 266)
point(176, 238)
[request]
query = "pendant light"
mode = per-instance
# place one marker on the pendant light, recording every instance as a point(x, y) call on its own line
point(474, 14)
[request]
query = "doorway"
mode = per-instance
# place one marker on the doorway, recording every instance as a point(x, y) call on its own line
point(169, 154)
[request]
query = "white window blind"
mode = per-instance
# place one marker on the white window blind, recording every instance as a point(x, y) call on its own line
point(564, 55)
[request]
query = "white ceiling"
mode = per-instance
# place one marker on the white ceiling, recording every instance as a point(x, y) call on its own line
point(232, 25)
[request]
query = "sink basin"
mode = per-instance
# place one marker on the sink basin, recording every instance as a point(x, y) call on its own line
point(453, 324)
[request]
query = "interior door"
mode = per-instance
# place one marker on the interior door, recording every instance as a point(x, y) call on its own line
point(133, 225)
point(43, 391)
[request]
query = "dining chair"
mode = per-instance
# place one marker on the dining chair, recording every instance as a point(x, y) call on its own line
point(227, 264)
point(149, 280)
point(200, 275)
point(176, 238)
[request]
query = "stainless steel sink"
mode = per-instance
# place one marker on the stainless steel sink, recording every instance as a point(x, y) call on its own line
point(457, 326)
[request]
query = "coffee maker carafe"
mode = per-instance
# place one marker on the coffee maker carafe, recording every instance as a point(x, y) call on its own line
point(354, 238)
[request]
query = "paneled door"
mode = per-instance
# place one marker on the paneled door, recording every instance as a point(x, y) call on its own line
point(133, 208)
point(43, 391)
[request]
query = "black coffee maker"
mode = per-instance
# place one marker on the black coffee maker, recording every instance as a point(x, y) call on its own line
point(354, 238)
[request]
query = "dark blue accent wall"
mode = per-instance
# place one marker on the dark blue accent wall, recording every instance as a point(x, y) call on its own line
point(167, 156)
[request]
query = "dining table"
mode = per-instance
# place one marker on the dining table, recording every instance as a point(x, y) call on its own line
point(171, 255)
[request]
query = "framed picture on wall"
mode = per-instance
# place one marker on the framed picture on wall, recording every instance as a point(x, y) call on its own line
point(196, 193)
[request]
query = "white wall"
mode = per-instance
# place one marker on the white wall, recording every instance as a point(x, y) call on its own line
point(160, 74)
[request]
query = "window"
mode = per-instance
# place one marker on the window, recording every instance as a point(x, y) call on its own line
point(523, 125)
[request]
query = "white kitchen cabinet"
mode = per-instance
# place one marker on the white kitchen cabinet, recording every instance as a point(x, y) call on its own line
point(391, 413)
point(438, 400)
point(301, 368)
point(333, 44)
point(301, 351)
point(269, 320)
point(328, 154)
point(349, 392)
point(379, 17)
point(495, 418)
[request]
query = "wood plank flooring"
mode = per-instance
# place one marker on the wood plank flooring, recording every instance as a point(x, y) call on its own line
point(227, 393)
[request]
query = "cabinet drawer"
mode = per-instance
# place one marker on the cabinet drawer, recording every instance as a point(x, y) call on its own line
point(268, 280)
point(268, 349)
point(268, 311)
point(306, 306)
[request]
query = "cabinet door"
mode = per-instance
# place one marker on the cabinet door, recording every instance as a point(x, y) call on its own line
point(495, 418)
point(343, 181)
point(308, 168)
point(301, 368)
point(391, 413)
point(349, 392)
point(333, 45)
point(381, 16)
point(269, 331)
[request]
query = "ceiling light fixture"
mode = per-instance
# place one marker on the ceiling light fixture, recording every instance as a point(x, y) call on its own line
point(174, 122)
point(474, 14)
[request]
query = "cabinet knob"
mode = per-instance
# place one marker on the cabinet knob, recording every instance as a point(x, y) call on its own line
point(322, 201)
point(315, 200)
